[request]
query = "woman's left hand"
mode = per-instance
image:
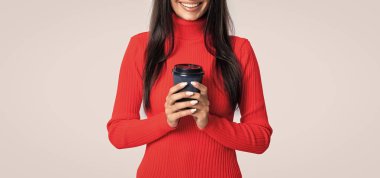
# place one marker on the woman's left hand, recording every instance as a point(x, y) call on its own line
point(201, 114)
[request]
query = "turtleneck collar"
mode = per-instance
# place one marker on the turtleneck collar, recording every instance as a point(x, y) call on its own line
point(188, 29)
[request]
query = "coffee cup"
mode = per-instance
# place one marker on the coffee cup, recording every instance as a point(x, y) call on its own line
point(187, 73)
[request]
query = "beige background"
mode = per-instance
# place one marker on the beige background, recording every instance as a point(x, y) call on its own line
point(59, 65)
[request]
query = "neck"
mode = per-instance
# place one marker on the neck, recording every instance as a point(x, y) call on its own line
point(188, 29)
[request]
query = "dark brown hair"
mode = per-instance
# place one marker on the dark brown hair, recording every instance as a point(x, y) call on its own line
point(217, 41)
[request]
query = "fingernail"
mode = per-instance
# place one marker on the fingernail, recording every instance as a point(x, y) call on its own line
point(183, 84)
point(189, 93)
point(194, 102)
point(193, 83)
point(193, 110)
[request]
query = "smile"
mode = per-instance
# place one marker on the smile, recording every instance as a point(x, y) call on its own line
point(190, 5)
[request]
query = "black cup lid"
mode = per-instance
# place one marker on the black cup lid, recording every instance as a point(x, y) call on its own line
point(188, 69)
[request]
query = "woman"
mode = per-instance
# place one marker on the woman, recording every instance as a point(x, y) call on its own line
point(203, 144)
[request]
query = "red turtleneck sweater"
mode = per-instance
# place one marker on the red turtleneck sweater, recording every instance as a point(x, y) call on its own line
point(187, 151)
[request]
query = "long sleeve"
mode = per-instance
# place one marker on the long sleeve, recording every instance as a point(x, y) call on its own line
point(125, 128)
point(253, 133)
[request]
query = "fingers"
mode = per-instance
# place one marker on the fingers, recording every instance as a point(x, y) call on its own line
point(178, 106)
point(183, 113)
point(176, 87)
point(200, 86)
point(179, 110)
point(196, 96)
point(173, 98)
point(173, 95)
point(175, 110)
point(203, 99)
point(176, 96)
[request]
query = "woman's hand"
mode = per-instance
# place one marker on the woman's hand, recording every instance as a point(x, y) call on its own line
point(201, 115)
point(175, 110)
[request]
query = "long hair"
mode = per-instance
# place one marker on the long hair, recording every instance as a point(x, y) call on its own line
point(217, 31)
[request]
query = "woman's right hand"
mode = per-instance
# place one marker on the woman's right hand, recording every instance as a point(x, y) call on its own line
point(174, 110)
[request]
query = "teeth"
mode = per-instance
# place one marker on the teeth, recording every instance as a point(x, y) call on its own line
point(190, 5)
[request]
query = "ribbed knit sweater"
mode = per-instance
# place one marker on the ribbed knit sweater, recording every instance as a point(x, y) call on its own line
point(186, 151)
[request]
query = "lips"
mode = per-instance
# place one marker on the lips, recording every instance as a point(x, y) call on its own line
point(190, 5)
